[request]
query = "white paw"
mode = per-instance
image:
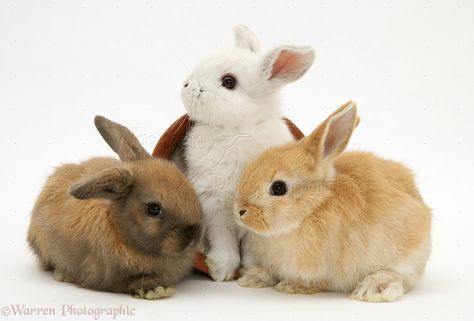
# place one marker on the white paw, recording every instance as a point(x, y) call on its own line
point(222, 267)
point(378, 288)
point(157, 293)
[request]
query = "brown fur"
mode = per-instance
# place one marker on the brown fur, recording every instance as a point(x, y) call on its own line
point(349, 222)
point(90, 225)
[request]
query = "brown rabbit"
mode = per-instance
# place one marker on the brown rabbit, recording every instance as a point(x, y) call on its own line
point(126, 226)
point(324, 220)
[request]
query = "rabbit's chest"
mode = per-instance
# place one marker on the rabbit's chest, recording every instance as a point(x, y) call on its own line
point(290, 258)
point(213, 153)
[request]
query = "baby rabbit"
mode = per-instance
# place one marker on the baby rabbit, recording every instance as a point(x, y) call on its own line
point(126, 226)
point(324, 220)
point(232, 98)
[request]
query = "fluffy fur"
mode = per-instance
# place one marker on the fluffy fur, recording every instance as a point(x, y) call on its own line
point(232, 126)
point(349, 222)
point(90, 225)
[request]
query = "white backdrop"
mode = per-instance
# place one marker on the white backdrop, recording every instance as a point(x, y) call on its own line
point(408, 65)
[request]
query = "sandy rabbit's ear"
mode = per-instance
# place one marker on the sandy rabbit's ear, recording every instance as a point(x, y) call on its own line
point(246, 39)
point(331, 137)
point(120, 139)
point(110, 183)
point(285, 64)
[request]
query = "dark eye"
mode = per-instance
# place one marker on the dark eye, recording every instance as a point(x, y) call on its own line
point(154, 209)
point(229, 81)
point(278, 188)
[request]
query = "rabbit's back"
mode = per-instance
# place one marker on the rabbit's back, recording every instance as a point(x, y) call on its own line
point(377, 218)
point(64, 230)
point(367, 167)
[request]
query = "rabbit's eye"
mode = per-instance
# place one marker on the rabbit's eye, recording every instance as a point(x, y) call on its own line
point(278, 188)
point(154, 209)
point(229, 81)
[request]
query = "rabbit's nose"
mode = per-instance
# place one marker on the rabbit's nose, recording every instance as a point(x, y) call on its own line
point(192, 231)
point(242, 212)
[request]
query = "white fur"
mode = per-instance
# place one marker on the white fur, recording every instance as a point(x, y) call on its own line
point(246, 39)
point(231, 128)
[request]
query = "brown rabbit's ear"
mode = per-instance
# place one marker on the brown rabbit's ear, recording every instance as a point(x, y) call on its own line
point(120, 139)
point(110, 183)
point(331, 137)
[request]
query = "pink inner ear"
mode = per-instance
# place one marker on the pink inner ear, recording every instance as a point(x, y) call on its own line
point(332, 137)
point(337, 133)
point(287, 62)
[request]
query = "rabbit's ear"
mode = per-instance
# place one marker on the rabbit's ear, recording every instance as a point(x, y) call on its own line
point(246, 39)
point(110, 183)
point(120, 139)
point(285, 64)
point(331, 137)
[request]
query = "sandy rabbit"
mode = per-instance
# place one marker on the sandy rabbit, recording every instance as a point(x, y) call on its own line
point(324, 220)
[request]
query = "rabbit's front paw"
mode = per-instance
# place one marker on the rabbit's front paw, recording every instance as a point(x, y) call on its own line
point(256, 278)
point(157, 293)
point(295, 287)
point(379, 287)
point(61, 276)
point(222, 267)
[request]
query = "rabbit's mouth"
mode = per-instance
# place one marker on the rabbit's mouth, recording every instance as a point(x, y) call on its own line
point(180, 239)
point(192, 98)
point(252, 218)
point(197, 93)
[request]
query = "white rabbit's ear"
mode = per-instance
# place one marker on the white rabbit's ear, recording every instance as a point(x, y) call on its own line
point(246, 39)
point(286, 64)
point(331, 137)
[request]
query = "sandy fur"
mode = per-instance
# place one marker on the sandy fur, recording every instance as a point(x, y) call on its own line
point(362, 225)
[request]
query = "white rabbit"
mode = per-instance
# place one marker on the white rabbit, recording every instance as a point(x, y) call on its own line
point(232, 98)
